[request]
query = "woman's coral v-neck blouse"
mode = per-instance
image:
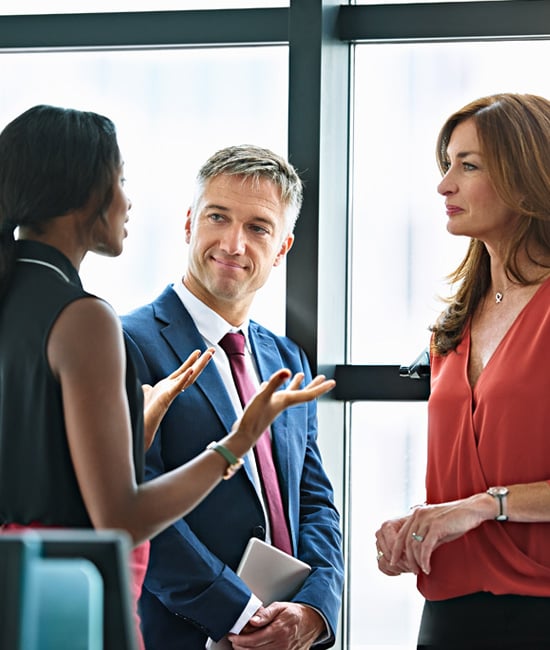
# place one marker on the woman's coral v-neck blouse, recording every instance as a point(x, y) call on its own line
point(497, 433)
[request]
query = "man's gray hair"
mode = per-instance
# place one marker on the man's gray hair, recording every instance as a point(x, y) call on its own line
point(255, 163)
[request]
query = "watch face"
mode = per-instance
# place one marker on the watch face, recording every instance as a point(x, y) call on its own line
point(498, 491)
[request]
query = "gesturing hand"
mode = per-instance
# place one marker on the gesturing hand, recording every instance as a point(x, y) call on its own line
point(158, 398)
point(269, 402)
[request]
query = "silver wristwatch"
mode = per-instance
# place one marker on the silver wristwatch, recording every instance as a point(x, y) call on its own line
point(500, 493)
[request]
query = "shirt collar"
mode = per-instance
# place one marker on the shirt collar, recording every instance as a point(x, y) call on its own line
point(28, 249)
point(210, 324)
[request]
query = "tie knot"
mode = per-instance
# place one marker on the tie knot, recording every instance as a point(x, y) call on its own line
point(233, 343)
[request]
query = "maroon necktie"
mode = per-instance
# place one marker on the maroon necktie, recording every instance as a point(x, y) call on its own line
point(233, 345)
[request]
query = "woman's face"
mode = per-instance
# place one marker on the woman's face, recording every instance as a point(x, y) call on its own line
point(473, 207)
point(109, 228)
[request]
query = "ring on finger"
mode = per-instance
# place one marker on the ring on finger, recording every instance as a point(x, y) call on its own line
point(417, 537)
point(379, 555)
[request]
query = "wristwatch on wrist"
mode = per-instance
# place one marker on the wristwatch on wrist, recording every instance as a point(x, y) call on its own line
point(500, 493)
point(234, 463)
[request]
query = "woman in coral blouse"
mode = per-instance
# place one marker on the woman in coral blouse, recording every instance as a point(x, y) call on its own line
point(480, 546)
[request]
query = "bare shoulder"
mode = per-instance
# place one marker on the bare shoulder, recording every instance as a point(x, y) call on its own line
point(86, 329)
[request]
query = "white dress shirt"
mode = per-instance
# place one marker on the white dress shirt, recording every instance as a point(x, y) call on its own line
point(213, 328)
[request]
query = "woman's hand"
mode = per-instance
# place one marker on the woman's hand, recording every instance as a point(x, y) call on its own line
point(269, 402)
point(428, 527)
point(158, 398)
point(386, 537)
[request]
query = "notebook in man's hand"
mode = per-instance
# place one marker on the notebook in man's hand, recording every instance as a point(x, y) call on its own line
point(270, 574)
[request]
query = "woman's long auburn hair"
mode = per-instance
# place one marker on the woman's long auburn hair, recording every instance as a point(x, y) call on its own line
point(514, 135)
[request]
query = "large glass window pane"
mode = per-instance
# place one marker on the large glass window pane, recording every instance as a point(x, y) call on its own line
point(401, 251)
point(172, 110)
point(388, 453)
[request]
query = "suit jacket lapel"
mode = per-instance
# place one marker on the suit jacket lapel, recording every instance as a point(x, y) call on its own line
point(179, 330)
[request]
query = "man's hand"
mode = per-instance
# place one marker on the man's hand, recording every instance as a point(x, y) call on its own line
point(280, 626)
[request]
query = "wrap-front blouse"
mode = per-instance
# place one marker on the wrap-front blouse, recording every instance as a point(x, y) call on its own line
point(497, 433)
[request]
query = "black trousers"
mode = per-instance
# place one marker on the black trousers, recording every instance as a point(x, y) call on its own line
point(483, 621)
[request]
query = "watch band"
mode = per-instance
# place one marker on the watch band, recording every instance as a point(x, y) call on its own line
point(234, 463)
point(500, 493)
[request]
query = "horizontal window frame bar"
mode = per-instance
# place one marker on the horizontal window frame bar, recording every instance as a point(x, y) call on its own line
point(159, 29)
point(377, 383)
point(426, 22)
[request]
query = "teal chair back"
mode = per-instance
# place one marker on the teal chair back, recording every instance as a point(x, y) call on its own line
point(65, 590)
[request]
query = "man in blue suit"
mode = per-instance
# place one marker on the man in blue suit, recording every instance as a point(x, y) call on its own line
point(239, 227)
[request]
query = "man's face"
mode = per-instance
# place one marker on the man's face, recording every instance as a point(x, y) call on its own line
point(236, 237)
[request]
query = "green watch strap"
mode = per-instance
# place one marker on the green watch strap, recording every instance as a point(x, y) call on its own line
point(234, 463)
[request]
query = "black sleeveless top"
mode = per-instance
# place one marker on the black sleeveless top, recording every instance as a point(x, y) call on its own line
point(37, 479)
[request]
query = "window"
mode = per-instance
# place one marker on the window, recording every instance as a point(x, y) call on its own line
point(172, 109)
point(401, 253)
point(388, 453)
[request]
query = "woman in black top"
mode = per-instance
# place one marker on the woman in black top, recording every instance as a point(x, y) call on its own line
point(72, 426)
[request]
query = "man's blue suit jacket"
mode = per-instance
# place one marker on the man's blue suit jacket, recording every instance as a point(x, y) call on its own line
point(191, 591)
